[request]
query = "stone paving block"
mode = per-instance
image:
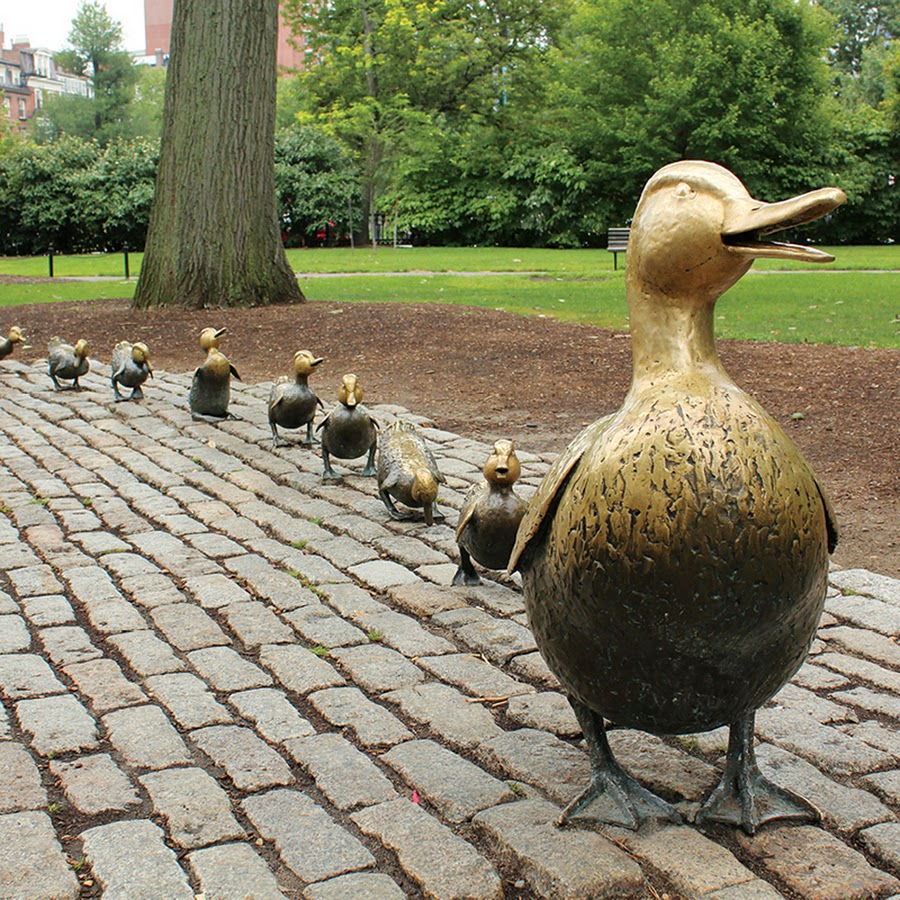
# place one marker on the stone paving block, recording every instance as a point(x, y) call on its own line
point(273, 715)
point(404, 634)
point(876, 647)
point(102, 681)
point(32, 863)
point(58, 724)
point(95, 784)
point(422, 599)
point(825, 711)
point(571, 863)
point(446, 713)
point(534, 757)
point(454, 786)
point(349, 708)
point(748, 890)
point(187, 627)
point(234, 871)
point(130, 859)
point(409, 551)
point(474, 675)
point(250, 763)
point(299, 669)
point(498, 639)
point(216, 546)
point(66, 644)
point(877, 702)
point(861, 581)
point(270, 583)
point(14, 636)
point(319, 626)
point(862, 669)
point(883, 842)
point(188, 699)
point(866, 612)
point(347, 777)
point(442, 864)
point(376, 668)
point(145, 653)
point(32, 581)
point(145, 737)
point(886, 785)
point(150, 591)
point(196, 810)
point(26, 675)
point(382, 574)
point(531, 667)
point(226, 670)
point(349, 601)
point(816, 864)
point(52, 609)
point(842, 806)
point(20, 780)
point(216, 590)
point(823, 745)
point(361, 886)
point(255, 624)
point(547, 711)
point(310, 843)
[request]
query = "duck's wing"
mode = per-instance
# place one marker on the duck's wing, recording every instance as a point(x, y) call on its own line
point(831, 525)
point(470, 504)
point(545, 497)
point(234, 372)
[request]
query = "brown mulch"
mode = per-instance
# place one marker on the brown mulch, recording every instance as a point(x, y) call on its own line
point(489, 374)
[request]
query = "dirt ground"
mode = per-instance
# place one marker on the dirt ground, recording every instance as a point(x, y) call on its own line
point(489, 374)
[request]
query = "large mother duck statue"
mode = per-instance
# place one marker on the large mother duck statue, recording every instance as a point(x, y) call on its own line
point(675, 556)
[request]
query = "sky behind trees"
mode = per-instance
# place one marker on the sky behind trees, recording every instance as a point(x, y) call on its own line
point(48, 23)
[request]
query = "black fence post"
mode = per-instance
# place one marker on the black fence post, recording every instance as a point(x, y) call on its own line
point(50, 260)
point(127, 273)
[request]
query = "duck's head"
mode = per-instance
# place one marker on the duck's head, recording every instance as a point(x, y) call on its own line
point(209, 338)
point(15, 335)
point(502, 467)
point(140, 353)
point(81, 349)
point(350, 393)
point(697, 230)
point(305, 362)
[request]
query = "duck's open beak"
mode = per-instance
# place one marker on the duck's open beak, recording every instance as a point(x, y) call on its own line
point(220, 332)
point(747, 221)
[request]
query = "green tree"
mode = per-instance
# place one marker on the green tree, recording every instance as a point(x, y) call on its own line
point(214, 236)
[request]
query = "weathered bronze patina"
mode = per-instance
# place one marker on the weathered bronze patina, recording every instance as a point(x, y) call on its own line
point(348, 431)
point(675, 556)
point(408, 472)
point(292, 402)
point(66, 361)
point(211, 388)
point(131, 367)
point(490, 516)
point(7, 344)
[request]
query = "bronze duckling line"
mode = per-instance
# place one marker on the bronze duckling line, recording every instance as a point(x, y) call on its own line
point(131, 367)
point(490, 516)
point(675, 556)
point(407, 471)
point(8, 344)
point(348, 431)
point(292, 402)
point(210, 391)
point(66, 361)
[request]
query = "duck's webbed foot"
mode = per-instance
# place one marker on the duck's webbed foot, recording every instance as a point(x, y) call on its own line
point(369, 470)
point(613, 797)
point(743, 796)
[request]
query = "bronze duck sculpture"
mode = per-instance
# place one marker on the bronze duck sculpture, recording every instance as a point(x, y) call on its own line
point(490, 516)
point(8, 344)
point(66, 361)
point(292, 403)
point(675, 556)
point(210, 391)
point(407, 471)
point(348, 431)
point(131, 367)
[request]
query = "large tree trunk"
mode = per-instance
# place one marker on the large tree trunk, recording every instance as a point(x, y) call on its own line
point(214, 238)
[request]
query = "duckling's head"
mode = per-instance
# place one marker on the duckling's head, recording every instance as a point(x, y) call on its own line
point(140, 353)
point(15, 335)
point(209, 338)
point(305, 362)
point(697, 230)
point(502, 467)
point(424, 487)
point(81, 349)
point(350, 393)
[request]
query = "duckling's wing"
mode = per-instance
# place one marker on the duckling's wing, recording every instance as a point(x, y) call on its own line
point(325, 417)
point(470, 504)
point(545, 498)
point(234, 372)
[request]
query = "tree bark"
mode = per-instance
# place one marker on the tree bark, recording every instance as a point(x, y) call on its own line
point(214, 238)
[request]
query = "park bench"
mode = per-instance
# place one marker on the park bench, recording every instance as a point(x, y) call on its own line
point(616, 242)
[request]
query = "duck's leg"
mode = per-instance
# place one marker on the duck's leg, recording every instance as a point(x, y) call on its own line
point(137, 394)
point(277, 439)
point(326, 462)
point(369, 470)
point(310, 438)
point(743, 796)
point(465, 574)
point(389, 505)
point(627, 803)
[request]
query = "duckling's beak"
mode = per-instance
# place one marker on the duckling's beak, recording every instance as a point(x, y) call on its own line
point(220, 332)
point(747, 221)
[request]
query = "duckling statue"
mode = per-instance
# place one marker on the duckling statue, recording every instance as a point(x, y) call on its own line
point(490, 516)
point(66, 361)
point(211, 388)
point(131, 367)
point(8, 344)
point(292, 403)
point(348, 431)
point(674, 558)
point(407, 470)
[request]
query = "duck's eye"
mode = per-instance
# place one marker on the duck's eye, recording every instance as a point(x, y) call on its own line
point(684, 191)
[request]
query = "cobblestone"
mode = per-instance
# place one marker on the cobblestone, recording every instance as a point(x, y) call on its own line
point(32, 864)
point(95, 784)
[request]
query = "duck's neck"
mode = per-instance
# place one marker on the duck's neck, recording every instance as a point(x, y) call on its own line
point(669, 337)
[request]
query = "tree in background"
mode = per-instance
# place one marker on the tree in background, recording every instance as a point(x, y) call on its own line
point(214, 238)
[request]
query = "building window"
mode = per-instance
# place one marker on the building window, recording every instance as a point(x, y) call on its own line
point(21, 109)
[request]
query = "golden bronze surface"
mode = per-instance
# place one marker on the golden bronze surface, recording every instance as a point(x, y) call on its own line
point(210, 391)
point(66, 361)
point(348, 431)
point(292, 402)
point(131, 367)
point(407, 471)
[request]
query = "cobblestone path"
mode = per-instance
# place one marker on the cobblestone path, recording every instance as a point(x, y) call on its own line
point(222, 677)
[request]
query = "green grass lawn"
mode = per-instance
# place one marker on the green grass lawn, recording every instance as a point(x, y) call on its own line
point(855, 304)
